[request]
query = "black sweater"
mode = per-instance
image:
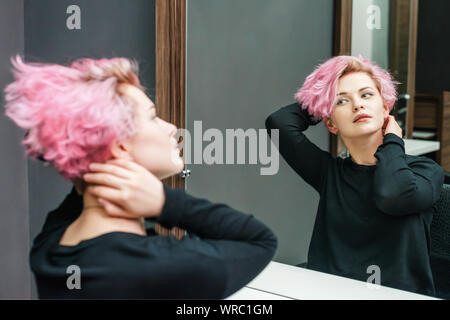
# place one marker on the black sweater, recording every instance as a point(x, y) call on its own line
point(224, 250)
point(376, 215)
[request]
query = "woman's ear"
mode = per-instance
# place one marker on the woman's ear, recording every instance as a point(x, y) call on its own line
point(329, 124)
point(121, 150)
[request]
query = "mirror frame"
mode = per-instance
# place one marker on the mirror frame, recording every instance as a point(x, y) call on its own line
point(170, 29)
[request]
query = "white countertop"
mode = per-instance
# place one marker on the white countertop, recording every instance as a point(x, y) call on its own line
point(417, 147)
point(255, 294)
point(281, 281)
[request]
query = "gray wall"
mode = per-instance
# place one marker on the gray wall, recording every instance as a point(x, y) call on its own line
point(246, 59)
point(14, 222)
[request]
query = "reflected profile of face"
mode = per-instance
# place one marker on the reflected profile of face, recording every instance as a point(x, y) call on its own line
point(153, 146)
point(357, 95)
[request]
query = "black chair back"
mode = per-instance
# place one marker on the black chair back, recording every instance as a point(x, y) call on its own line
point(440, 244)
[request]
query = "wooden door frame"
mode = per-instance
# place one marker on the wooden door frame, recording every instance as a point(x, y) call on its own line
point(412, 57)
point(170, 35)
point(342, 46)
point(170, 29)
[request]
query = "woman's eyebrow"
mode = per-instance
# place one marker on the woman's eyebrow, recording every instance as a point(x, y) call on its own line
point(362, 89)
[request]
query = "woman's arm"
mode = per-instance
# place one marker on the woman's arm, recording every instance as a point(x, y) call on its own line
point(402, 188)
point(210, 220)
point(236, 246)
point(308, 160)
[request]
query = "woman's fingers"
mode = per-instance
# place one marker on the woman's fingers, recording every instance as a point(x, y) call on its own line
point(109, 168)
point(106, 193)
point(161, 230)
point(140, 193)
point(114, 210)
point(391, 126)
point(105, 179)
point(126, 164)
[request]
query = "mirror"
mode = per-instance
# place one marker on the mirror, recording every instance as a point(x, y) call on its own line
point(244, 64)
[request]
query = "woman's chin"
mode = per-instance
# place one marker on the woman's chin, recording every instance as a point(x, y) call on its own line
point(169, 174)
point(174, 170)
point(180, 167)
point(366, 132)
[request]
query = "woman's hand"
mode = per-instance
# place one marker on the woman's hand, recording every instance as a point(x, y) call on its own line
point(126, 189)
point(391, 126)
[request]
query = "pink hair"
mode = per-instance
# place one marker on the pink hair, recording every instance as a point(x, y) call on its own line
point(74, 113)
point(318, 93)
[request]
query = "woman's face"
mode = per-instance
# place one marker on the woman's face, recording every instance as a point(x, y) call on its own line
point(357, 94)
point(154, 145)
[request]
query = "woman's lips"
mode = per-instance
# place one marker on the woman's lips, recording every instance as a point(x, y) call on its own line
point(363, 119)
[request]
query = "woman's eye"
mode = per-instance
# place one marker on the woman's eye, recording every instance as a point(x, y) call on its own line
point(365, 95)
point(340, 102)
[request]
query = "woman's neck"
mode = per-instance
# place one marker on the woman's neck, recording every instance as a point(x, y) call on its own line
point(362, 149)
point(94, 217)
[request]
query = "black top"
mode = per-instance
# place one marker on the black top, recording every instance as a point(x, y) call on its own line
point(376, 215)
point(228, 250)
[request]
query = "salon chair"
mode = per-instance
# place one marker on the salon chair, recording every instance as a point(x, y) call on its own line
point(440, 244)
point(446, 177)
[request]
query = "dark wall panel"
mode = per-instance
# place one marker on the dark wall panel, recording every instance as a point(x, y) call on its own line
point(433, 47)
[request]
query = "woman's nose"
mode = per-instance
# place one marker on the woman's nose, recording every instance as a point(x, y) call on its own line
point(170, 128)
point(357, 105)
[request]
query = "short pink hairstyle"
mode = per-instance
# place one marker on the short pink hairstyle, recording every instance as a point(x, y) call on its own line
point(72, 114)
point(318, 93)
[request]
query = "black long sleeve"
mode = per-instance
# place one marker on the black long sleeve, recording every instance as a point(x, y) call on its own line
point(246, 245)
point(224, 250)
point(308, 160)
point(210, 220)
point(403, 188)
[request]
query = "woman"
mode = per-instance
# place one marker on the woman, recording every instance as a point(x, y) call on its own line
point(94, 116)
point(376, 205)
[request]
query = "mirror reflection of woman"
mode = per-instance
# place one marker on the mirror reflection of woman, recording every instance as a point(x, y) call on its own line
point(94, 123)
point(377, 204)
